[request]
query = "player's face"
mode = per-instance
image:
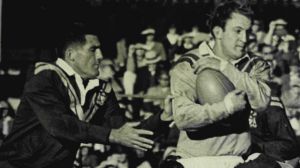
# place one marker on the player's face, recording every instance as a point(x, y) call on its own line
point(87, 58)
point(234, 36)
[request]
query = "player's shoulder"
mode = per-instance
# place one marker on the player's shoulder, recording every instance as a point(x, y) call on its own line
point(186, 60)
point(190, 57)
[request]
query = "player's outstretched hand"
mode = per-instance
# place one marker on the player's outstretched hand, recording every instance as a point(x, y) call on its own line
point(129, 136)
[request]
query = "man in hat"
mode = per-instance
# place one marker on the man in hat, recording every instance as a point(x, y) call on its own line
point(140, 73)
point(145, 68)
point(277, 34)
point(151, 44)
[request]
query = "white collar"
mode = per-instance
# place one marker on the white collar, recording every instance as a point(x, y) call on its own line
point(205, 48)
point(238, 60)
point(65, 66)
point(70, 71)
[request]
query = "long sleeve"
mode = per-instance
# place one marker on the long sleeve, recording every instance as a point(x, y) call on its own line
point(253, 83)
point(274, 134)
point(155, 124)
point(45, 97)
point(188, 114)
point(113, 115)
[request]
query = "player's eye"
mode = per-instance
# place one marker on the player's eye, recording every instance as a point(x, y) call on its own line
point(238, 31)
point(93, 49)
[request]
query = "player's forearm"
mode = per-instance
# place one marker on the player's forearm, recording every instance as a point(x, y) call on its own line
point(257, 91)
point(190, 115)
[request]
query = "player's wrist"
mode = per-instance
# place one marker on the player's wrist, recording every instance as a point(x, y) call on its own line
point(228, 105)
point(112, 136)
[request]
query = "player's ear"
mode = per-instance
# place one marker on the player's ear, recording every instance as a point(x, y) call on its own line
point(70, 54)
point(218, 32)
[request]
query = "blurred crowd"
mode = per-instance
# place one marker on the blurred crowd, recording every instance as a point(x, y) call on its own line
point(140, 77)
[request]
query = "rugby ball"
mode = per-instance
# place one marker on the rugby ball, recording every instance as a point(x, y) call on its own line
point(212, 86)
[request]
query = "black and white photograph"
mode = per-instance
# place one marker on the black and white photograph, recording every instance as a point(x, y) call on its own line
point(149, 84)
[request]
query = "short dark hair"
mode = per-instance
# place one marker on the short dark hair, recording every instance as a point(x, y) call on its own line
point(224, 10)
point(75, 34)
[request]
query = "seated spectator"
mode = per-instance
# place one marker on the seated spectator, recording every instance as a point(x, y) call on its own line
point(279, 38)
point(186, 43)
point(257, 30)
point(121, 46)
point(199, 36)
point(293, 75)
point(136, 79)
point(279, 67)
point(290, 100)
point(117, 159)
point(157, 93)
point(152, 44)
point(171, 42)
point(252, 46)
point(7, 115)
point(134, 61)
point(107, 71)
point(277, 33)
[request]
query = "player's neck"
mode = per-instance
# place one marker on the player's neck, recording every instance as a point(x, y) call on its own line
point(218, 51)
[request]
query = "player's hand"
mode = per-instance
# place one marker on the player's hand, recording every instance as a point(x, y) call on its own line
point(206, 62)
point(129, 136)
point(235, 101)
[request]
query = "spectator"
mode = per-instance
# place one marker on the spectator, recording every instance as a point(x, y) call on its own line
point(137, 80)
point(157, 94)
point(171, 42)
point(107, 70)
point(186, 43)
point(199, 36)
point(121, 46)
point(257, 31)
point(151, 44)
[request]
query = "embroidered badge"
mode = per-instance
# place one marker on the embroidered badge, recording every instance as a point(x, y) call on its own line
point(252, 119)
point(101, 98)
point(105, 89)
